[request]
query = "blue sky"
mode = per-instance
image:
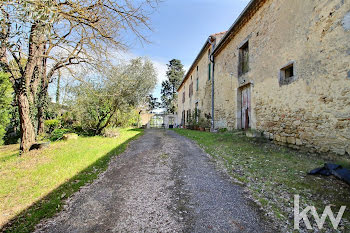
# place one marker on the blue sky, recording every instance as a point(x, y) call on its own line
point(180, 28)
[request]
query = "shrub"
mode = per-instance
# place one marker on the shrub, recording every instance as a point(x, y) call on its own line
point(57, 134)
point(222, 130)
point(5, 104)
point(110, 132)
point(205, 123)
point(51, 125)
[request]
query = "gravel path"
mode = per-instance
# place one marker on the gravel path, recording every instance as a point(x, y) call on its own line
point(163, 182)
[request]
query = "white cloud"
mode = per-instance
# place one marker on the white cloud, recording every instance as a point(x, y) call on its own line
point(161, 69)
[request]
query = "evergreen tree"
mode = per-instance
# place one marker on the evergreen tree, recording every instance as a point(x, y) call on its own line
point(152, 102)
point(175, 75)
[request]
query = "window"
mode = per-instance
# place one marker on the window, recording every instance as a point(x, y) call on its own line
point(287, 74)
point(197, 84)
point(243, 63)
point(183, 117)
point(190, 90)
point(209, 71)
point(183, 97)
point(188, 115)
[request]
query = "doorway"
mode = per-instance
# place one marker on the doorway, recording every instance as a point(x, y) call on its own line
point(244, 108)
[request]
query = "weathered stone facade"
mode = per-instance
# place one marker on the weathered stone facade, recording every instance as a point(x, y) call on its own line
point(201, 96)
point(307, 40)
point(314, 109)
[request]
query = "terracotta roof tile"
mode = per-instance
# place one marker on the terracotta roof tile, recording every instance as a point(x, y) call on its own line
point(218, 33)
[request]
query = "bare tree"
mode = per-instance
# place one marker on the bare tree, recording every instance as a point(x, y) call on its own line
point(54, 34)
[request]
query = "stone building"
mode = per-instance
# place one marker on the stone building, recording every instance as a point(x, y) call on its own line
point(283, 68)
point(196, 88)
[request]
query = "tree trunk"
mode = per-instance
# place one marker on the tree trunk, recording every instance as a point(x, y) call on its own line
point(41, 121)
point(41, 106)
point(99, 129)
point(27, 129)
point(23, 89)
point(41, 111)
point(58, 87)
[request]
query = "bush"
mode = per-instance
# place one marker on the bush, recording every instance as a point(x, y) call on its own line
point(205, 123)
point(57, 134)
point(111, 132)
point(222, 130)
point(51, 125)
point(5, 104)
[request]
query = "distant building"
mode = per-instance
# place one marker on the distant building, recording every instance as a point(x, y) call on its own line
point(282, 68)
point(157, 119)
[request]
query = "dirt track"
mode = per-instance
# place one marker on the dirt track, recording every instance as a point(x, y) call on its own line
point(163, 182)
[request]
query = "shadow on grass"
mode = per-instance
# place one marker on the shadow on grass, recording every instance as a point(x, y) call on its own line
point(8, 157)
point(52, 203)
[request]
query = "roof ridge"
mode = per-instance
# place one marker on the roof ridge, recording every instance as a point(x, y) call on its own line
point(218, 33)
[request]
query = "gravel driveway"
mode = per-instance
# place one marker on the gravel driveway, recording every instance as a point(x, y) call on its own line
point(163, 182)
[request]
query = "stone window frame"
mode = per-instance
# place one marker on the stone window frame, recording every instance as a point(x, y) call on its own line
point(281, 76)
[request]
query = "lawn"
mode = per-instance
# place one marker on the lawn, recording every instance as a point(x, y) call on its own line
point(33, 186)
point(274, 174)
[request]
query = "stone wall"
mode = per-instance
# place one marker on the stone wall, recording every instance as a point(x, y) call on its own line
point(203, 94)
point(313, 111)
point(145, 119)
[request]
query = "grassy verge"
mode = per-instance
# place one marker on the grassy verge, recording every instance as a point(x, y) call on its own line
point(34, 186)
point(275, 174)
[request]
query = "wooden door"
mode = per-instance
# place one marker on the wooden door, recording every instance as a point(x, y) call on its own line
point(246, 111)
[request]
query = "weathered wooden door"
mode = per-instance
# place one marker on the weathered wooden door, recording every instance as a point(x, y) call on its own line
point(246, 111)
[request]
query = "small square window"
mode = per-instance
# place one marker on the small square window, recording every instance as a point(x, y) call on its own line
point(287, 74)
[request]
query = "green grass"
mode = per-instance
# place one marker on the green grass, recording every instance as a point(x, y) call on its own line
point(34, 186)
point(274, 174)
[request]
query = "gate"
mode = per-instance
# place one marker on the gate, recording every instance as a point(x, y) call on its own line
point(157, 122)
